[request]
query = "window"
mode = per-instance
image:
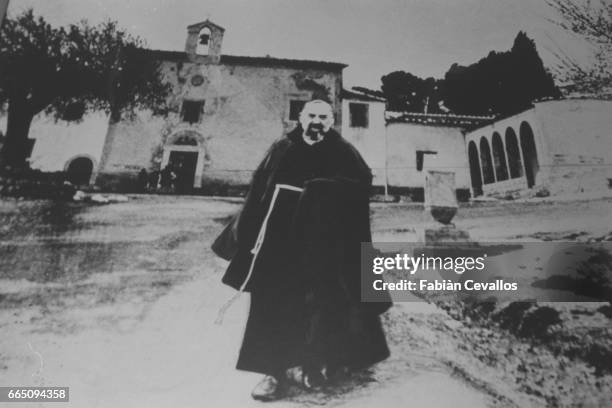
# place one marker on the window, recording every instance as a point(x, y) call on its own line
point(358, 115)
point(420, 157)
point(192, 110)
point(295, 107)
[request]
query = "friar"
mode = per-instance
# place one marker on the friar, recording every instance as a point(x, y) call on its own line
point(295, 247)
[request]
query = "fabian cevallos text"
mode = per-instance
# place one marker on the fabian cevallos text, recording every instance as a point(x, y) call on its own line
point(459, 265)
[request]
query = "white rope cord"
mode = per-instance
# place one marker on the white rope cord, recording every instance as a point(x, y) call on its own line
point(255, 250)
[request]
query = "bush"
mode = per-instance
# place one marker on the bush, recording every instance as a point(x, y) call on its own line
point(29, 183)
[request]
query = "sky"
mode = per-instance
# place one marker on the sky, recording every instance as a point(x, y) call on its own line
point(374, 37)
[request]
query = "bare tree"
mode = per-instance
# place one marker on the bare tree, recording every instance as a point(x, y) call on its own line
point(592, 21)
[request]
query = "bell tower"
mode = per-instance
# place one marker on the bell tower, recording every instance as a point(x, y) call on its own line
point(204, 42)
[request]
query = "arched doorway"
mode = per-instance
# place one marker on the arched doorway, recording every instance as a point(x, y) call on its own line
point(475, 169)
point(486, 162)
point(514, 155)
point(530, 155)
point(79, 170)
point(499, 158)
point(183, 161)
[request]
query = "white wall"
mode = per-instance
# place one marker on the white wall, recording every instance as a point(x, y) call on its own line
point(577, 130)
point(404, 139)
point(573, 140)
point(370, 141)
point(59, 142)
point(246, 109)
point(577, 134)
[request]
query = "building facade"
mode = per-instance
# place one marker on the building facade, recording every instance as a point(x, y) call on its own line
point(558, 146)
point(419, 142)
point(555, 147)
point(227, 111)
point(363, 125)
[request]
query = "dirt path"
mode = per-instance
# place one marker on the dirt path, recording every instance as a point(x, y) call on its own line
point(177, 356)
point(115, 344)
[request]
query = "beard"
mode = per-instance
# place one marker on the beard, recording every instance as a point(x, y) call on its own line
point(314, 131)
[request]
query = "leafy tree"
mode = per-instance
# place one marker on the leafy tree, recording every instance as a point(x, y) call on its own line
point(592, 21)
point(501, 83)
point(407, 92)
point(67, 72)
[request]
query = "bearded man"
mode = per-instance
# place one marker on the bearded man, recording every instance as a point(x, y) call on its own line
point(295, 247)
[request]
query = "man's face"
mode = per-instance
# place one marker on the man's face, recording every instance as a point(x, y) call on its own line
point(316, 118)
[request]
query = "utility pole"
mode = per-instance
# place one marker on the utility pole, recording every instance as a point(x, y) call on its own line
point(386, 163)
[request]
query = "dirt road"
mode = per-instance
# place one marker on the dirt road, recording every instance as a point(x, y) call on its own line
point(118, 302)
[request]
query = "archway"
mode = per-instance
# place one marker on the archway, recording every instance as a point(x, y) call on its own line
point(530, 155)
point(486, 162)
point(182, 162)
point(475, 169)
point(499, 158)
point(204, 38)
point(79, 170)
point(185, 139)
point(514, 155)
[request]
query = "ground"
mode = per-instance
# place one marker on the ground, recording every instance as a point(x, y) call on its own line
point(119, 303)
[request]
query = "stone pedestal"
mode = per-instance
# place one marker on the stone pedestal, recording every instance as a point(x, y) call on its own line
point(440, 199)
point(441, 203)
point(445, 234)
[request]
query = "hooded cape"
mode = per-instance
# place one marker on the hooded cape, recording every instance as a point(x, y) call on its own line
point(290, 161)
point(305, 287)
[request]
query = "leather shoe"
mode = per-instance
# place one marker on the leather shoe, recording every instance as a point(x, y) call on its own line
point(315, 379)
point(268, 389)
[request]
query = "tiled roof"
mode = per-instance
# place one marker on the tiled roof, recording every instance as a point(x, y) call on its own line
point(258, 61)
point(346, 94)
point(437, 119)
point(207, 21)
